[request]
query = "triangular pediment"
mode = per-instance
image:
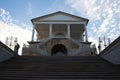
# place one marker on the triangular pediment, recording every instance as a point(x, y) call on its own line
point(59, 16)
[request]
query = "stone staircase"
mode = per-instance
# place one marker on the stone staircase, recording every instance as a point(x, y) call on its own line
point(58, 68)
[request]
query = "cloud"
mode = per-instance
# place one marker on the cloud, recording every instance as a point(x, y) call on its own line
point(57, 6)
point(5, 16)
point(10, 27)
point(104, 16)
point(29, 7)
point(84, 7)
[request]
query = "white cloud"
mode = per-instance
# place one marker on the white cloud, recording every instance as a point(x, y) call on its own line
point(8, 27)
point(104, 16)
point(5, 16)
point(85, 7)
point(29, 8)
point(57, 6)
point(105, 24)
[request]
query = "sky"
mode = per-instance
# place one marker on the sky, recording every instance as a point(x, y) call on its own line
point(16, 15)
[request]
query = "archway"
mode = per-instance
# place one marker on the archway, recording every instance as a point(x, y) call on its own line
point(59, 50)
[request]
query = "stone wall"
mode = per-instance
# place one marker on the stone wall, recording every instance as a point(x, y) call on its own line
point(112, 52)
point(71, 48)
point(5, 52)
point(64, 41)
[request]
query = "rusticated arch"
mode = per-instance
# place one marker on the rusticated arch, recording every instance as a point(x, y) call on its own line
point(59, 50)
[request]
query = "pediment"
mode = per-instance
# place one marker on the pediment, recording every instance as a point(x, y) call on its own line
point(59, 16)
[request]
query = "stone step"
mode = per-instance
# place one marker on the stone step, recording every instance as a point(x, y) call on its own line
point(73, 67)
point(29, 59)
point(94, 76)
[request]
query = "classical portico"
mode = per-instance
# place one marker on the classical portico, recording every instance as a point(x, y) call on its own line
point(59, 25)
point(60, 32)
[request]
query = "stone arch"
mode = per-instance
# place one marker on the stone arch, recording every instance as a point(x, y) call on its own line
point(59, 34)
point(59, 49)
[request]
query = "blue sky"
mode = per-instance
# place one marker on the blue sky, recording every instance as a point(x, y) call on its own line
point(24, 10)
point(103, 15)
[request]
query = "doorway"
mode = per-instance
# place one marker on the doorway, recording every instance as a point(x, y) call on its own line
point(59, 50)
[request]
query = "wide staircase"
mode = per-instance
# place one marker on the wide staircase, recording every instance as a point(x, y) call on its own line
point(58, 68)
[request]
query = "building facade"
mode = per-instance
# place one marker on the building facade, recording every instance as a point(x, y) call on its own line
point(59, 34)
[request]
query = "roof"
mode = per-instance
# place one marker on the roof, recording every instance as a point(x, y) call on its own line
point(59, 12)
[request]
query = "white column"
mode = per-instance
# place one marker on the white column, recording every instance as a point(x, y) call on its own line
point(33, 32)
point(86, 35)
point(50, 30)
point(68, 30)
